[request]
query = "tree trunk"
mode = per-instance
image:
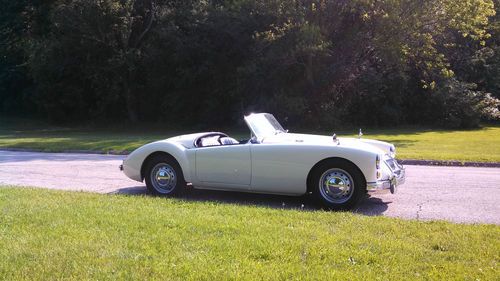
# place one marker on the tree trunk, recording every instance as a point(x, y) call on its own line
point(143, 16)
point(314, 96)
point(309, 73)
point(130, 101)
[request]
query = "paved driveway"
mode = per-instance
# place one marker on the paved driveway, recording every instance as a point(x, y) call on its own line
point(458, 194)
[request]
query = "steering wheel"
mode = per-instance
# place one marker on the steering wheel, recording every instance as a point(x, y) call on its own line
point(220, 137)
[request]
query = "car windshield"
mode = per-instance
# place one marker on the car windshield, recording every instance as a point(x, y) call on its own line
point(263, 125)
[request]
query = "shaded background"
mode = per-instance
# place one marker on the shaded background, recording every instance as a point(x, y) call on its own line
point(314, 64)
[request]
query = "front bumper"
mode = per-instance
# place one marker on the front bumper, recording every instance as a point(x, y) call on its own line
point(394, 176)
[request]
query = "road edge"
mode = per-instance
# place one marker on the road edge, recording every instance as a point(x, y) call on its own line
point(449, 163)
point(402, 161)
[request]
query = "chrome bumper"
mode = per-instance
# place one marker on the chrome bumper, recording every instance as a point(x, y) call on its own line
point(397, 177)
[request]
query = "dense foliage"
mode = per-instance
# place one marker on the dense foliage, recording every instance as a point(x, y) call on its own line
point(203, 62)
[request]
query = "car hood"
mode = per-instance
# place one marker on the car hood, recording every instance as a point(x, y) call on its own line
point(379, 147)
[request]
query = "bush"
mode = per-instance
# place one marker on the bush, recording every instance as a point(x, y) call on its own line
point(459, 105)
point(206, 63)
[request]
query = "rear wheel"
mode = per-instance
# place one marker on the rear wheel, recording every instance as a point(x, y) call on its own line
point(337, 184)
point(164, 176)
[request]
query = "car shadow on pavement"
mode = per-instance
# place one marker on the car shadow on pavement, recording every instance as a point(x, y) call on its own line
point(131, 190)
point(370, 206)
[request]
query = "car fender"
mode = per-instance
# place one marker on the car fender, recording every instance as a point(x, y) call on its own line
point(132, 165)
point(284, 168)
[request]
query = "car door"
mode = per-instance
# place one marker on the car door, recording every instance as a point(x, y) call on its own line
point(225, 166)
point(280, 169)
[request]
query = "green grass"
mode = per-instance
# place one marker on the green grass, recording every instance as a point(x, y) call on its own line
point(40, 136)
point(47, 235)
point(482, 145)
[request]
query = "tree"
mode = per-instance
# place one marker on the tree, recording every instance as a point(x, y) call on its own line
point(314, 63)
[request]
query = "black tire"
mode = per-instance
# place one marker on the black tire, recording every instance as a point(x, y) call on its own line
point(169, 171)
point(345, 175)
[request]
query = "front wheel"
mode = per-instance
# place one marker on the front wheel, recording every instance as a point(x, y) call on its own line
point(337, 184)
point(164, 176)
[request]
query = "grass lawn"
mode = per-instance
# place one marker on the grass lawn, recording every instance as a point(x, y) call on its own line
point(47, 235)
point(482, 145)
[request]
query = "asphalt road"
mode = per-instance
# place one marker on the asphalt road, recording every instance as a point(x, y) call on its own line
point(457, 194)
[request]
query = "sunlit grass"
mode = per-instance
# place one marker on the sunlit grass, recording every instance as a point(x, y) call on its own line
point(482, 145)
point(48, 235)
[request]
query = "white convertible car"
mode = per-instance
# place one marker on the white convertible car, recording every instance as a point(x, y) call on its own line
point(337, 172)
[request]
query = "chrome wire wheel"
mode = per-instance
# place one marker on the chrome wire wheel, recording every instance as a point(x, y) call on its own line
point(336, 186)
point(163, 178)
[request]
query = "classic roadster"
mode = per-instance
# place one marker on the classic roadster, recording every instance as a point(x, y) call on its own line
point(337, 172)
